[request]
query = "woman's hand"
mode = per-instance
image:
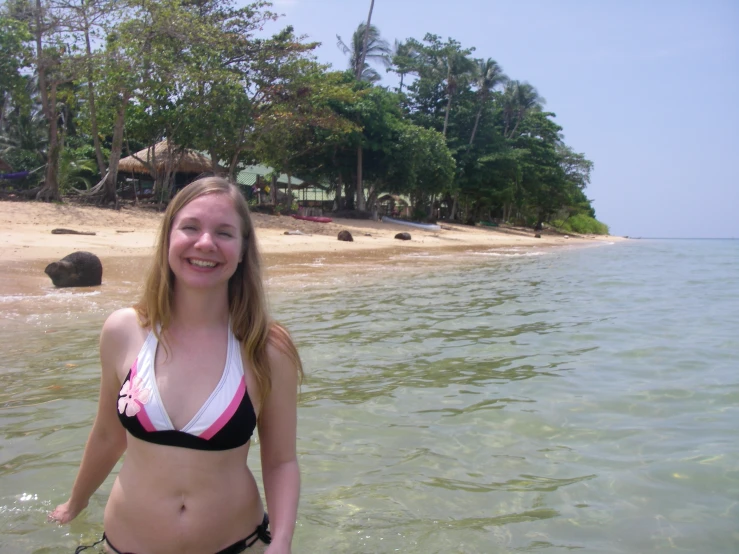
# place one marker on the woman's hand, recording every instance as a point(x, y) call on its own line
point(64, 513)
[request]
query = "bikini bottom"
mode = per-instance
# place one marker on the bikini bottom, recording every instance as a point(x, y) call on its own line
point(260, 533)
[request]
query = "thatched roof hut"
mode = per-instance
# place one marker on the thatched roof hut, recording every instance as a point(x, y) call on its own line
point(188, 161)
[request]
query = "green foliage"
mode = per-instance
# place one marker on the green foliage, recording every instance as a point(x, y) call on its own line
point(377, 50)
point(16, 53)
point(458, 135)
point(581, 224)
point(75, 172)
point(422, 164)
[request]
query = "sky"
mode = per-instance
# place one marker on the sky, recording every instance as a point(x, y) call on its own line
point(646, 90)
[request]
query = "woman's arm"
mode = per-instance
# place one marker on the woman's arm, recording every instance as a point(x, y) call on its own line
point(277, 437)
point(107, 440)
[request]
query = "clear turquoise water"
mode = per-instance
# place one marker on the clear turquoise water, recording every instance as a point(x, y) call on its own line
point(474, 402)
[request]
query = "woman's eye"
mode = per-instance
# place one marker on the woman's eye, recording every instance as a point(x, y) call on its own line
point(225, 234)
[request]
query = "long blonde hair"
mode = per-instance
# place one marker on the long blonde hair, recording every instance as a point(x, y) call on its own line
point(247, 304)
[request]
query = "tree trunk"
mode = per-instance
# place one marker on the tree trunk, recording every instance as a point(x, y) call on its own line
point(109, 191)
point(474, 128)
point(235, 157)
point(289, 199)
point(360, 185)
point(3, 99)
point(170, 170)
point(50, 190)
point(518, 120)
point(446, 116)
point(91, 99)
point(337, 196)
point(360, 65)
point(349, 191)
point(273, 190)
point(455, 203)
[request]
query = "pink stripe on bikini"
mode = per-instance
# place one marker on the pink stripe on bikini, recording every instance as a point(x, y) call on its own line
point(142, 416)
point(227, 414)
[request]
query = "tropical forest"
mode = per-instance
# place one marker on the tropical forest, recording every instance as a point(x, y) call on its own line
point(429, 119)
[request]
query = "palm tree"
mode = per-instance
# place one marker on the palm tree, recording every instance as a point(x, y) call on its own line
point(24, 132)
point(366, 44)
point(458, 68)
point(365, 41)
point(377, 49)
point(518, 100)
point(404, 57)
point(488, 76)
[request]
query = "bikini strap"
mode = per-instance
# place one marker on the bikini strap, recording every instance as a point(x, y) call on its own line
point(85, 547)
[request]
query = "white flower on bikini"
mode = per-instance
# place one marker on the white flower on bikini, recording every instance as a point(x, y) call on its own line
point(132, 396)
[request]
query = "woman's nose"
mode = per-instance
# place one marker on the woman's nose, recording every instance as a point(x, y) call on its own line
point(205, 241)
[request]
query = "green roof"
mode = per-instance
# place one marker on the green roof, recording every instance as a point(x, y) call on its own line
point(248, 176)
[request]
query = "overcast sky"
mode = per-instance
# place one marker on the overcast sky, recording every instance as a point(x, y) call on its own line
point(647, 90)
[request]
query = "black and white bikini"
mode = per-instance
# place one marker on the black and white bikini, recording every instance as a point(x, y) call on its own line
point(225, 421)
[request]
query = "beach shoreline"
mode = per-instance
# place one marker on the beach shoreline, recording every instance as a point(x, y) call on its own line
point(131, 232)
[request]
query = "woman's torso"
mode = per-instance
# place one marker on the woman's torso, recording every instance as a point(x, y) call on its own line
point(169, 498)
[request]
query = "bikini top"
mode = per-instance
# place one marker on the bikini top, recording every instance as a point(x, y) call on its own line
point(227, 419)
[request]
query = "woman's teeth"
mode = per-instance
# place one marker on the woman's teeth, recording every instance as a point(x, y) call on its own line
point(200, 263)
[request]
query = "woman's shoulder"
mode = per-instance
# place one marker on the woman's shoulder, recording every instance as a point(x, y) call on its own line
point(122, 325)
point(125, 319)
point(281, 350)
point(121, 338)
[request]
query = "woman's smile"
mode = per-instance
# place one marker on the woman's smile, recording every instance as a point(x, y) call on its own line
point(202, 263)
point(205, 244)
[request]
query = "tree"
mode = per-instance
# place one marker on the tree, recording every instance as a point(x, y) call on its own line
point(25, 134)
point(488, 76)
point(14, 38)
point(403, 60)
point(422, 165)
point(376, 49)
point(446, 66)
point(299, 125)
point(50, 61)
point(518, 100)
point(86, 19)
point(366, 43)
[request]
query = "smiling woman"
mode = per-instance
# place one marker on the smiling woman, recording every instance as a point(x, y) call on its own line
point(206, 243)
point(188, 374)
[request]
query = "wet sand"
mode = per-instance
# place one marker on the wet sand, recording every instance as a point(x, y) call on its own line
point(131, 232)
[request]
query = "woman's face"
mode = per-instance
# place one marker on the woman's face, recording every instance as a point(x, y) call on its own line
point(205, 242)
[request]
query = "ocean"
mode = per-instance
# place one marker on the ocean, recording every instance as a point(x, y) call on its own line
point(467, 401)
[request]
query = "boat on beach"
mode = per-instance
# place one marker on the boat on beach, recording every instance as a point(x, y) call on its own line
point(425, 226)
point(317, 219)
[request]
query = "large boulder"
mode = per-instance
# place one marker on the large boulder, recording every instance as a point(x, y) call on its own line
point(345, 236)
point(79, 269)
point(403, 236)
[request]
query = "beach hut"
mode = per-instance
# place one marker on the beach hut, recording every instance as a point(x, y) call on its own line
point(185, 164)
point(255, 180)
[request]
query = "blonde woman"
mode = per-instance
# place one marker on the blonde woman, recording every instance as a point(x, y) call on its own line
point(188, 374)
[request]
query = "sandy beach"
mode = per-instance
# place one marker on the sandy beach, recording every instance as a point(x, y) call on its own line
point(27, 234)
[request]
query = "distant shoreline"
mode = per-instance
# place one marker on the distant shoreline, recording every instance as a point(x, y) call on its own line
point(132, 231)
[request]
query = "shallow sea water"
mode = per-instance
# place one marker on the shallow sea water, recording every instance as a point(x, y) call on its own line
point(515, 400)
